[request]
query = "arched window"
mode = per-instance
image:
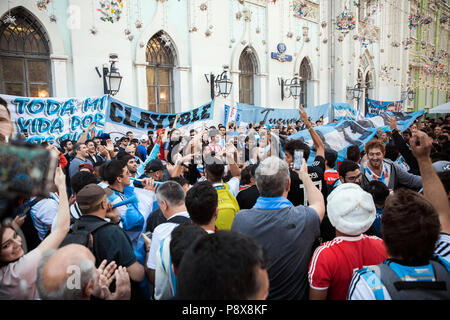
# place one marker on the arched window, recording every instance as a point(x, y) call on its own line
point(160, 63)
point(24, 57)
point(248, 66)
point(305, 75)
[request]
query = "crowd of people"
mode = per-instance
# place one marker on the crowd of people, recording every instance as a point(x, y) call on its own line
point(227, 212)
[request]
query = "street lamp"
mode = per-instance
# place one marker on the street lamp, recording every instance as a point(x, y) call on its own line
point(356, 91)
point(219, 85)
point(111, 76)
point(290, 87)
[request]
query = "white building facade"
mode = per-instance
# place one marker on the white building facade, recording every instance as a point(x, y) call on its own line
point(167, 50)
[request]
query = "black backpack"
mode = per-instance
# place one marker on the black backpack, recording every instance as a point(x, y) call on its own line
point(81, 233)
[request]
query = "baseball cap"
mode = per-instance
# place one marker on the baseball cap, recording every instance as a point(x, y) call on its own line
point(86, 166)
point(144, 137)
point(154, 165)
point(91, 195)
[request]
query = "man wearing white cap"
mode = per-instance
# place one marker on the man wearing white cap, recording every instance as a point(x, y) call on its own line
point(351, 211)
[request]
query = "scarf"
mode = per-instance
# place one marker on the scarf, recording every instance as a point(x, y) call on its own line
point(270, 203)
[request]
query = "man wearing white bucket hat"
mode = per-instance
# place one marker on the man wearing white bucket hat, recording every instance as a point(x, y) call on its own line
point(351, 211)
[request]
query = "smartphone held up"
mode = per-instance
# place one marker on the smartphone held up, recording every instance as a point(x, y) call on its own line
point(298, 158)
point(26, 169)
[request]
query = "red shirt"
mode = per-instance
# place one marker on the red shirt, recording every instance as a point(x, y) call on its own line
point(332, 264)
point(161, 155)
point(62, 161)
point(331, 176)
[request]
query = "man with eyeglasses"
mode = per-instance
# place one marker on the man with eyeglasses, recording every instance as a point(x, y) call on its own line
point(349, 172)
point(377, 167)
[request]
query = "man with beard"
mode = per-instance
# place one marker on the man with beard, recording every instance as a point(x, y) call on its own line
point(377, 167)
point(131, 164)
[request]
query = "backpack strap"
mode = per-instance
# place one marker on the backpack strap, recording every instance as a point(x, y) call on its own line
point(442, 261)
point(90, 227)
point(179, 220)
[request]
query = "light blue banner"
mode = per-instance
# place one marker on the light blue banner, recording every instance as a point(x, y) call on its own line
point(375, 107)
point(343, 111)
point(120, 114)
point(231, 114)
point(56, 119)
point(271, 116)
point(339, 136)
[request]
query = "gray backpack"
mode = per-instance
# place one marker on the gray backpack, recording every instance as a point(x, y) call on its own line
point(413, 290)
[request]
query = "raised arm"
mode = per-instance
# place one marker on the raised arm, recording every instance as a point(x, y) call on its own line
point(433, 188)
point(83, 137)
point(318, 143)
point(175, 122)
point(231, 156)
point(63, 217)
point(403, 148)
point(313, 194)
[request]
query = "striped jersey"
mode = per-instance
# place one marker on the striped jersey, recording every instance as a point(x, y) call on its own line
point(443, 246)
point(43, 213)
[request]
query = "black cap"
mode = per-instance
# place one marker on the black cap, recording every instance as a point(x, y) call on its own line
point(154, 165)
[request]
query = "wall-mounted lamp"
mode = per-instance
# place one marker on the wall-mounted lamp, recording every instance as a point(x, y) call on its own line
point(219, 85)
point(111, 76)
point(408, 93)
point(290, 87)
point(356, 91)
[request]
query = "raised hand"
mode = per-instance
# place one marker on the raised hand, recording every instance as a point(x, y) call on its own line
point(105, 277)
point(393, 124)
point(123, 285)
point(60, 178)
point(420, 145)
point(304, 117)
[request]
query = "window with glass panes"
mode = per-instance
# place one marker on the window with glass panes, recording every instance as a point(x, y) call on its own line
point(24, 57)
point(305, 75)
point(160, 63)
point(248, 68)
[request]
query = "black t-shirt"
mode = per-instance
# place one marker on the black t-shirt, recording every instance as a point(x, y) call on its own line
point(247, 198)
point(155, 219)
point(297, 193)
point(113, 244)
